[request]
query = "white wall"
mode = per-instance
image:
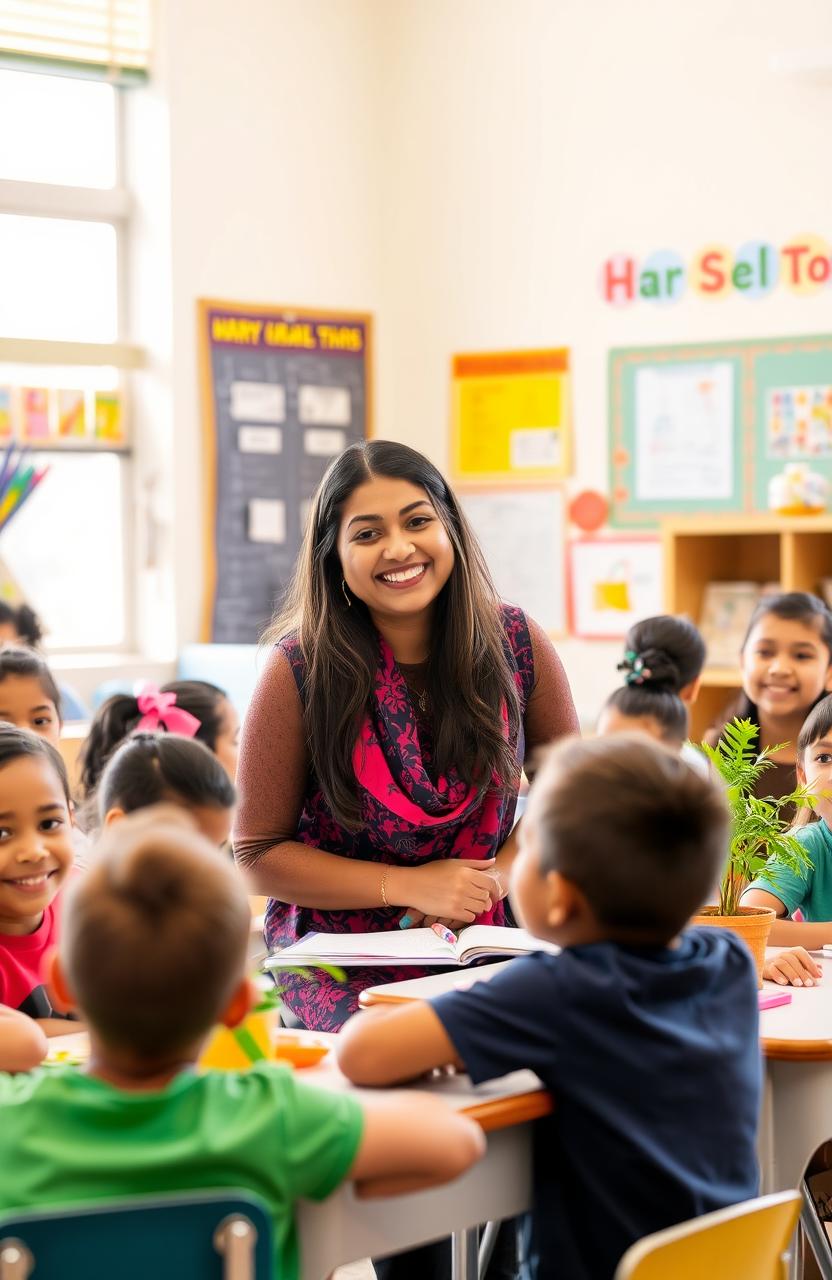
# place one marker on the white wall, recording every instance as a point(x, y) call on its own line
point(272, 192)
point(525, 143)
point(463, 168)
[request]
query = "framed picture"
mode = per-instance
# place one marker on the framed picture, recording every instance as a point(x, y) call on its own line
point(613, 582)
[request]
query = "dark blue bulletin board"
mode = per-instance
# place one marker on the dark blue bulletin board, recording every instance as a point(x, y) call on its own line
point(284, 390)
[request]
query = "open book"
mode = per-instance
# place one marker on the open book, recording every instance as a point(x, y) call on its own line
point(409, 947)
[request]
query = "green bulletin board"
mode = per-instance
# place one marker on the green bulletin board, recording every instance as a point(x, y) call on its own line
point(704, 427)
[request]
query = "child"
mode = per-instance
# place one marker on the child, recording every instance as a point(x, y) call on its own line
point(139, 1118)
point(811, 889)
point(29, 696)
point(36, 855)
point(152, 768)
point(663, 662)
point(647, 1037)
point(22, 1042)
point(192, 708)
point(786, 666)
point(19, 625)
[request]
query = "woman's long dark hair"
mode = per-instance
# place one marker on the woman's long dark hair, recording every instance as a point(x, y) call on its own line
point(468, 675)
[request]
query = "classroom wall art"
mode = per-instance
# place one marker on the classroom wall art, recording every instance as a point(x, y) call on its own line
point(521, 533)
point(704, 427)
point(613, 582)
point(283, 390)
point(511, 416)
point(803, 266)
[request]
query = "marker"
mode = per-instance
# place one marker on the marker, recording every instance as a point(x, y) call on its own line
point(445, 934)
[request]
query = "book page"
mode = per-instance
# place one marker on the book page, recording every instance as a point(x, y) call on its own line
point(495, 938)
point(393, 944)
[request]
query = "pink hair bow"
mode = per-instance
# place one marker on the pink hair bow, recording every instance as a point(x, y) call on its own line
point(159, 708)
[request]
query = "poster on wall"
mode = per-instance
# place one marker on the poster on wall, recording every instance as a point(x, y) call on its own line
point(706, 427)
point(511, 416)
point(283, 390)
point(522, 537)
point(613, 583)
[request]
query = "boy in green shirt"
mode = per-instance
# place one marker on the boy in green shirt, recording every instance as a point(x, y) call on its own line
point(153, 955)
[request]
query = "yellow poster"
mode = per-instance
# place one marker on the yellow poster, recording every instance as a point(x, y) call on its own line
point(511, 416)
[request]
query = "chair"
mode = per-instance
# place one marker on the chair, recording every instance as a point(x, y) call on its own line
point(746, 1242)
point(215, 1235)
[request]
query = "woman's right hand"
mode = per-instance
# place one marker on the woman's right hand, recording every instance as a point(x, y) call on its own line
point(452, 888)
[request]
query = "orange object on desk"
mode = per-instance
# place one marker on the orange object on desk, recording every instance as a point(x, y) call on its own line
point(224, 1052)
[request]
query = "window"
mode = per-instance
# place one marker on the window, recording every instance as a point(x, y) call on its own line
point(63, 224)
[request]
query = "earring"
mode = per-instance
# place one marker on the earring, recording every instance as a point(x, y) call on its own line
point(346, 595)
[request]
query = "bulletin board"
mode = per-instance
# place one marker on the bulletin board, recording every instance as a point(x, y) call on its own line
point(522, 533)
point(283, 391)
point(511, 416)
point(704, 427)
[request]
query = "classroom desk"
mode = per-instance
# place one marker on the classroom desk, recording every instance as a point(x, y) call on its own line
point(345, 1228)
point(796, 1040)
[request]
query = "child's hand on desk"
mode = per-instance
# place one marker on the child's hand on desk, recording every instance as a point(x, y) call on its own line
point(794, 967)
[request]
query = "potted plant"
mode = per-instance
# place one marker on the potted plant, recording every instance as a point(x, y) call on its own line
point(759, 829)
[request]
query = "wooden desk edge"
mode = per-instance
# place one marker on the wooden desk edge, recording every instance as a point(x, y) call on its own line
point(502, 1113)
point(796, 1050)
point(368, 997)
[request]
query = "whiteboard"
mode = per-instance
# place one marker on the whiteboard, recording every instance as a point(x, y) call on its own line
point(522, 536)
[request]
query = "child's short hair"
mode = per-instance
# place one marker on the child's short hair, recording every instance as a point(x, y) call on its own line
point(16, 743)
point(155, 935)
point(17, 661)
point(25, 621)
point(817, 725)
point(118, 717)
point(150, 768)
point(641, 834)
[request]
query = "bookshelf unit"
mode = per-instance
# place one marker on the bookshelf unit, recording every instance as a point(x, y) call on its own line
point(795, 551)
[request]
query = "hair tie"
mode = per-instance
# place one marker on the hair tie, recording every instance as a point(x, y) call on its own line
point(637, 673)
point(159, 708)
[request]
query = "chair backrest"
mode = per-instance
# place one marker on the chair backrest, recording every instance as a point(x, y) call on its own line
point(746, 1242)
point(215, 1235)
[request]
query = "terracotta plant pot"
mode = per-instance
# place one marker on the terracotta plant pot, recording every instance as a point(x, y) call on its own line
point(753, 925)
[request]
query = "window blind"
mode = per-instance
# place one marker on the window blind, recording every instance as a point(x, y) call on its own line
point(110, 38)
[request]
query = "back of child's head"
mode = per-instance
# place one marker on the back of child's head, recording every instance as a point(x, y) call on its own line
point(153, 768)
point(122, 714)
point(16, 744)
point(634, 707)
point(640, 833)
point(666, 651)
point(154, 935)
point(18, 662)
point(19, 624)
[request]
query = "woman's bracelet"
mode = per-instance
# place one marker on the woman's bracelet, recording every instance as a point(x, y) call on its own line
point(384, 876)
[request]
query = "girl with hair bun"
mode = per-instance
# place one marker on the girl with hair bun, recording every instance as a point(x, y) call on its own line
point(663, 662)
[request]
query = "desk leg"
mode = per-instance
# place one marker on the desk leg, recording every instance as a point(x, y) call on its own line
point(465, 1253)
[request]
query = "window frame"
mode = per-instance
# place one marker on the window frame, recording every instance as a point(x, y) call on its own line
point(113, 205)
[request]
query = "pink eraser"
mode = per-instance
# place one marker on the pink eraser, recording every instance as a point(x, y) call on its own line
point(770, 999)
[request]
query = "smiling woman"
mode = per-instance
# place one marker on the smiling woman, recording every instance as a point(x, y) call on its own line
point(382, 753)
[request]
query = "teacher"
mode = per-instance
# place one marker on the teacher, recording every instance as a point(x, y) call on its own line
point(381, 755)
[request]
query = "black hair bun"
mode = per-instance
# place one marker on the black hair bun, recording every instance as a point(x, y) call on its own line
point(656, 669)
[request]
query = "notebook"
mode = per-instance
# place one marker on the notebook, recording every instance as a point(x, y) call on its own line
point(409, 947)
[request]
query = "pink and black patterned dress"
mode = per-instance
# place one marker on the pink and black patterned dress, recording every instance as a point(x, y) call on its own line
point(408, 819)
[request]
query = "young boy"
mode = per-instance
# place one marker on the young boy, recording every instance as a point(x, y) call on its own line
point(153, 952)
point(647, 1038)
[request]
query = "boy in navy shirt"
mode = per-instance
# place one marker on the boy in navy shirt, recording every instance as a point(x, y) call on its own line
point(645, 1035)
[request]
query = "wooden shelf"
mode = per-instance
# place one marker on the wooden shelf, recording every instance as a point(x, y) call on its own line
point(794, 551)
